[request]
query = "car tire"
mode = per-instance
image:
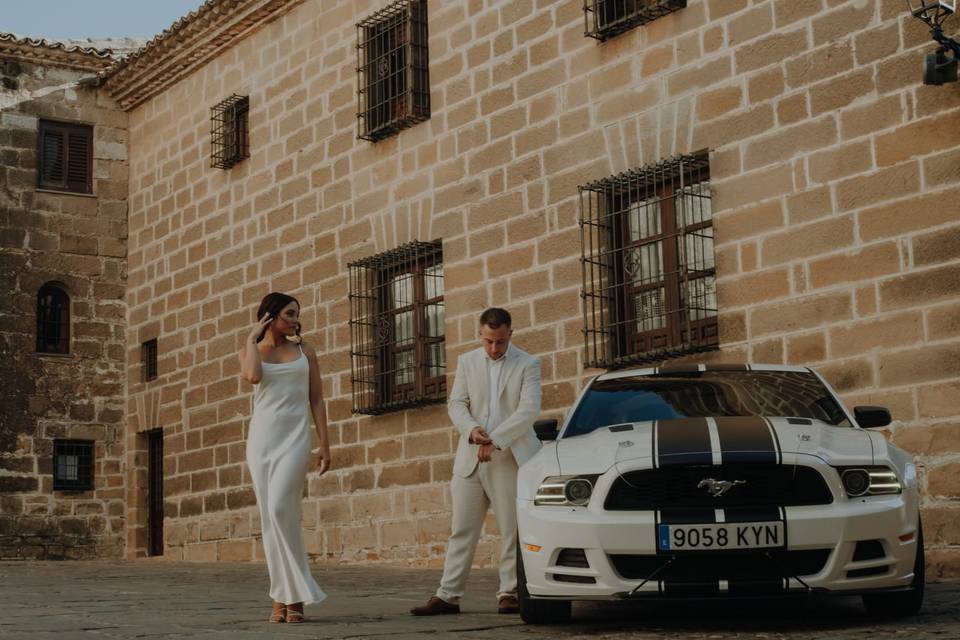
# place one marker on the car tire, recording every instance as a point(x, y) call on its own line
point(903, 603)
point(533, 611)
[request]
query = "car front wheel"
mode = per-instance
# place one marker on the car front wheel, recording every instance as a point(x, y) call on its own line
point(534, 611)
point(903, 603)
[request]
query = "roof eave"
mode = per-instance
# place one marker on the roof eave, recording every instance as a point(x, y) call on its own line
point(188, 44)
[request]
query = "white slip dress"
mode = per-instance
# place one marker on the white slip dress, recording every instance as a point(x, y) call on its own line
point(278, 454)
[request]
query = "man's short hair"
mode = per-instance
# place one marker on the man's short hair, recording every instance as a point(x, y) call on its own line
point(494, 317)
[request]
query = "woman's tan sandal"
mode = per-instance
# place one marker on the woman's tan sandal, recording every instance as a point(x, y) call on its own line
point(279, 613)
point(295, 612)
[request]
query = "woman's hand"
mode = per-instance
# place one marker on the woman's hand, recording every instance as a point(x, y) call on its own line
point(258, 328)
point(324, 460)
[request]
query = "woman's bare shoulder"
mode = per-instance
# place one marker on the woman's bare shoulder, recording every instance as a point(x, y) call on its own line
point(308, 349)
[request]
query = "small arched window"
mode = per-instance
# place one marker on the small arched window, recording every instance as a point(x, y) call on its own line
point(53, 320)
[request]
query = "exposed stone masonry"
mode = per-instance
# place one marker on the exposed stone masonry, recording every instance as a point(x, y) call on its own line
point(78, 241)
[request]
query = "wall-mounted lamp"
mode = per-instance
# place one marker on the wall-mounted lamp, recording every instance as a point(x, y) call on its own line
point(941, 66)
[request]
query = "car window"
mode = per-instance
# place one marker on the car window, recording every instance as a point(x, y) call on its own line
point(794, 394)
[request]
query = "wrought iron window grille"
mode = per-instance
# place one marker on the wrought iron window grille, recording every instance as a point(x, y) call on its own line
point(148, 354)
point(604, 19)
point(230, 132)
point(65, 157)
point(393, 82)
point(397, 357)
point(53, 320)
point(73, 465)
point(649, 285)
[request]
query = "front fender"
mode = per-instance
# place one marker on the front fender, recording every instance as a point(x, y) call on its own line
point(543, 464)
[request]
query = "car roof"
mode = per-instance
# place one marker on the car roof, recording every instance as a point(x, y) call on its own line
point(692, 368)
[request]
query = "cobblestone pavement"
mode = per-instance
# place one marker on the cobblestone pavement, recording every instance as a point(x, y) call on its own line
point(159, 599)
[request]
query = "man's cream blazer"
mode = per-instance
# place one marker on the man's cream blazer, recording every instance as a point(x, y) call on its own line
point(519, 397)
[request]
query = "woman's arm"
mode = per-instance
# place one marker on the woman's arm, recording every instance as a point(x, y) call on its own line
point(317, 407)
point(250, 369)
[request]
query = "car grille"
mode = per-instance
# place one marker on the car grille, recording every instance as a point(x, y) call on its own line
point(752, 566)
point(765, 485)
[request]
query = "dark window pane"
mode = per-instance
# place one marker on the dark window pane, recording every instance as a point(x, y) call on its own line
point(229, 132)
point(607, 18)
point(393, 70)
point(705, 394)
point(149, 357)
point(396, 329)
point(53, 320)
point(649, 266)
point(65, 156)
point(52, 156)
point(73, 465)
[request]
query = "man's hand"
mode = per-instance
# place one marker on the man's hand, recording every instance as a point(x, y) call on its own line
point(486, 452)
point(479, 436)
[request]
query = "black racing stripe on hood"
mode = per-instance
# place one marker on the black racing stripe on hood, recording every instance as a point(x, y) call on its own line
point(746, 439)
point(683, 442)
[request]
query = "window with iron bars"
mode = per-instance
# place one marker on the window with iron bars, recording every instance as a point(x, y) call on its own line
point(607, 18)
point(230, 132)
point(53, 320)
point(73, 465)
point(393, 84)
point(649, 286)
point(396, 329)
point(65, 157)
point(148, 354)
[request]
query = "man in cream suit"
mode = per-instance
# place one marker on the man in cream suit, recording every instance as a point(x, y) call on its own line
point(494, 401)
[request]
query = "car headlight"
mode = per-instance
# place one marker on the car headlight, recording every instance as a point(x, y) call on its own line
point(565, 491)
point(869, 481)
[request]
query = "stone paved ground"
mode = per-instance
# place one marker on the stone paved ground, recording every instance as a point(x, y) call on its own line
point(158, 599)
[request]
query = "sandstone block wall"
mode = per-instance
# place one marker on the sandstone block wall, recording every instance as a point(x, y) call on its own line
point(835, 183)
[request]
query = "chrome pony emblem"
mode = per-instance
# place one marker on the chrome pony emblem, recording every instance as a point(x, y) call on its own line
point(717, 488)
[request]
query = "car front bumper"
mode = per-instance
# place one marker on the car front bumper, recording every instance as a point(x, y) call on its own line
point(834, 529)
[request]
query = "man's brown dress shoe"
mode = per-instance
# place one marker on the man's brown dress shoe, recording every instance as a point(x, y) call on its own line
point(435, 607)
point(508, 604)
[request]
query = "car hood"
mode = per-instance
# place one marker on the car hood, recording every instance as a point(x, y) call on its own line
point(684, 442)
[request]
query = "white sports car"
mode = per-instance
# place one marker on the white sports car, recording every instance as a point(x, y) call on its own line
point(703, 481)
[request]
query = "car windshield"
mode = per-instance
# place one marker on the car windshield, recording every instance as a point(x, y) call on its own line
point(704, 394)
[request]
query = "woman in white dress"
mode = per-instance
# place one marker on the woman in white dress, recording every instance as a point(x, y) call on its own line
point(287, 398)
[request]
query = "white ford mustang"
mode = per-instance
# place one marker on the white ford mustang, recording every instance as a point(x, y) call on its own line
point(704, 481)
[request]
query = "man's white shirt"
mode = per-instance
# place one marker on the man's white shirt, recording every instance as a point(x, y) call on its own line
point(494, 371)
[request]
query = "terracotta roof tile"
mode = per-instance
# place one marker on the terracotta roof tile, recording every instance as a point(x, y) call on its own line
point(186, 45)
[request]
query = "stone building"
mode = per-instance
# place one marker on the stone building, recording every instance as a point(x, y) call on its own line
point(721, 180)
point(63, 222)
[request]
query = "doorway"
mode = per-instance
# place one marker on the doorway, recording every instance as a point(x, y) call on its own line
point(155, 492)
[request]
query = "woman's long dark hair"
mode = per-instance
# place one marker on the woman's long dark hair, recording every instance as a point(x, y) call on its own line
point(273, 304)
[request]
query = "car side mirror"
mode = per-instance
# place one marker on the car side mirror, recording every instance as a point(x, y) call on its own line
point(870, 417)
point(546, 430)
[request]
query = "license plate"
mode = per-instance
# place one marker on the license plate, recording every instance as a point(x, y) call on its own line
point(722, 535)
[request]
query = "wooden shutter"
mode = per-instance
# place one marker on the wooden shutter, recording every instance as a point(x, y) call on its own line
point(66, 157)
point(52, 145)
point(79, 160)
